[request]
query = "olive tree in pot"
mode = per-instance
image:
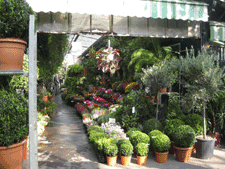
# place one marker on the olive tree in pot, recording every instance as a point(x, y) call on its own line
point(202, 79)
point(13, 28)
point(184, 139)
point(126, 150)
point(13, 129)
point(161, 144)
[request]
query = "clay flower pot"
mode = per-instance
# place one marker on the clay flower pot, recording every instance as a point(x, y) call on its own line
point(111, 161)
point(141, 160)
point(44, 98)
point(183, 154)
point(161, 157)
point(11, 53)
point(163, 90)
point(12, 156)
point(125, 160)
point(25, 149)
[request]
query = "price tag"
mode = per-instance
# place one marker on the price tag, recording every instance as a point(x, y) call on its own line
point(154, 137)
point(133, 109)
point(147, 90)
point(112, 120)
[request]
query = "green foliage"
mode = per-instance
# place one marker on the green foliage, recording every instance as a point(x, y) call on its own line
point(184, 136)
point(153, 133)
point(173, 110)
point(130, 131)
point(122, 141)
point(139, 137)
point(171, 126)
point(161, 143)
point(130, 120)
point(95, 135)
point(99, 143)
point(74, 70)
point(142, 149)
point(126, 149)
point(152, 124)
point(14, 20)
point(104, 118)
point(95, 128)
point(13, 118)
point(196, 122)
point(111, 150)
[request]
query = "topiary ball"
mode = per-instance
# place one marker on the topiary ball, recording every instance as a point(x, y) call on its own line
point(129, 132)
point(140, 138)
point(126, 149)
point(154, 133)
point(184, 136)
point(161, 143)
point(196, 122)
point(152, 124)
point(142, 149)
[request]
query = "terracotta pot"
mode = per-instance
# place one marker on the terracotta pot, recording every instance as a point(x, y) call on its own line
point(171, 151)
point(161, 157)
point(44, 98)
point(111, 161)
point(25, 150)
point(125, 160)
point(12, 157)
point(183, 154)
point(11, 53)
point(141, 160)
point(163, 90)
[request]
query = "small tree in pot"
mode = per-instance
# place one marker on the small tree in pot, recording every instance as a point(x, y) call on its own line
point(202, 79)
point(161, 144)
point(13, 128)
point(14, 26)
point(142, 153)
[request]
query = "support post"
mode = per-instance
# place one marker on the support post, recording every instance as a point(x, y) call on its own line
point(33, 94)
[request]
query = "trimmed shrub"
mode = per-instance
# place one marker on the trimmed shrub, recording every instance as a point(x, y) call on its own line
point(126, 149)
point(184, 136)
point(142, 149)
point(152, 124)
point(171, 126)
point(154, 133)
point(129, 132)
point(94, 135)
point(161, 143)
point(122, 141)
point(196, 122)
point(140, 138)
point(95, 128)
point(111, 150)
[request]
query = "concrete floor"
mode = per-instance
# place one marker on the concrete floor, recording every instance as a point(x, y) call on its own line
point(65, 145)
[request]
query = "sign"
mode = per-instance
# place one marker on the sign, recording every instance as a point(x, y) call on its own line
point(112, 120)
point(146, 89)
point(133, 109)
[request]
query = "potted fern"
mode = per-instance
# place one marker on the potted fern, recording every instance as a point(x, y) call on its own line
point(202, 79)
point(13, 31)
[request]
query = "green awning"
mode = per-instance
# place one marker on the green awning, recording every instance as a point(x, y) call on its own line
point(217, 32)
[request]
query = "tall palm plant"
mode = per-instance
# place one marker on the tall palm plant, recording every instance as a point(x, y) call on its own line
point(142, 57)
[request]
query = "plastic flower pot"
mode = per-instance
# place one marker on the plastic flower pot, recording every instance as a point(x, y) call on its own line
point(183, 154)
point(125, 160)
point(111, 161)
point(141, 160)
point(161, 157)
point(205, 147)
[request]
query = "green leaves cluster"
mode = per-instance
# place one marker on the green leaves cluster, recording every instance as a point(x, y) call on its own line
point(161, 143)
point(142, 149)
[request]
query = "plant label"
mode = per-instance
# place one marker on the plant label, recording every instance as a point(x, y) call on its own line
point(147, 90)
point(112, 120)
point(154, 137)
point(133, 109)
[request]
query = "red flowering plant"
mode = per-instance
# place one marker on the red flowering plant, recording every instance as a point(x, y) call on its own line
point(108, 60)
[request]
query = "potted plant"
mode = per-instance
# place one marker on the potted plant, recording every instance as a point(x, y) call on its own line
point(122, 141)
point(111, 151)
point(170, 128)
point(13, 31)
point(202, 80)
point(126, 150)
point(184, 139)
point(139, 137)
point(161, 144)
point(142, 153)
point(14, 128)
point(151, 135)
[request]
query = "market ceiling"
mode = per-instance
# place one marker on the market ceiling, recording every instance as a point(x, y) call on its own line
point(150, 18)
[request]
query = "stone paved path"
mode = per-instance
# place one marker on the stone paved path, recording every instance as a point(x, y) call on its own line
point(65, 146)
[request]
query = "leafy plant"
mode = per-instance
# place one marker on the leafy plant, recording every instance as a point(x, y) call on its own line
point(196, 122)
point(130, 131)
point(139, 137)
point(122, 141)
point(184, 136)
point(99, 144)
point(13, 118)
point(95, 128)
point(152, 124)
point(154, 133)
point(74, 70)
point(161, 143)
point(96, 135)
point(126, 149)
point(130, 120)
point(111, 150)
point(142, 149)
point(171, 126)
point(14, 18)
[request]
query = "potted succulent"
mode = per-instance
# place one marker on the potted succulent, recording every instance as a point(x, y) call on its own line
point(126, 150)
point(161, 144)
point(169, 129)
point(151, 135)
point(14, 128)
point(142, 153)
point(13, 31)
point(202, 80)
point(184, 139)
point(111, 151)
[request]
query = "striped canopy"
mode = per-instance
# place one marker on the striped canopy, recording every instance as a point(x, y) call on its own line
point(217, 32)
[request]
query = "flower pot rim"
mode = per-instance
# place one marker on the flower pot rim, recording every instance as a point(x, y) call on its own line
point(13, 145)
point(125, 156)
point(162, 153)
point(142, 156)
point(12, 39)
point(182, 148)
point(205, 140)
point(113, 156)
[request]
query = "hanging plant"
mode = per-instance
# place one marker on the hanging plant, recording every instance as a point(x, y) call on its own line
point(108, 60)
